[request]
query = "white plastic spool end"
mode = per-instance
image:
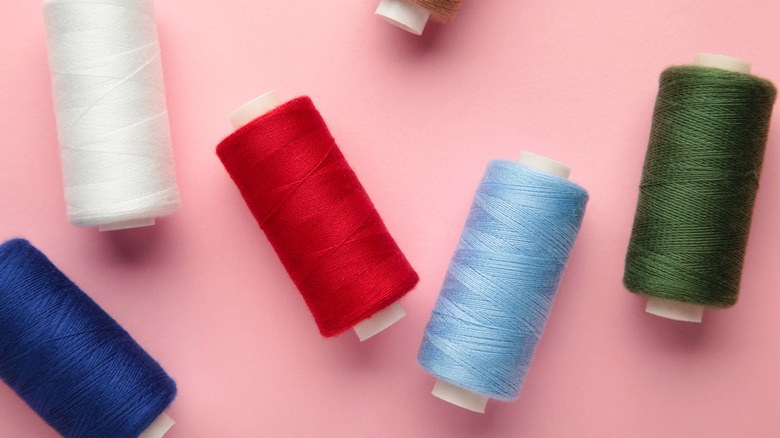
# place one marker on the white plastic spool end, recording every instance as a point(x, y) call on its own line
point(380, 322)
point(409, 16)
point(675, 310)
point(544, 164)
point(125, 225)
point(254, 109)
point(159, 427)
point(723, 62)
point(460, 397)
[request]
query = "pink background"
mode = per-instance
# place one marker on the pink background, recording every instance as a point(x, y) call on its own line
point(418, 118)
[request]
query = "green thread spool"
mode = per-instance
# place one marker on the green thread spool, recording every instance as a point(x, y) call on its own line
point(698, 188)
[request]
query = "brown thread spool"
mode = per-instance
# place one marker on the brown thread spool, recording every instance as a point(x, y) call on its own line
point(413, 15)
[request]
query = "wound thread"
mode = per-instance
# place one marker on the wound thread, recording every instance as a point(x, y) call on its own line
point(317, 216)
point(67, 358)
point(443, 11)
point(699, 185)
point(112, 120)
point(502, 280)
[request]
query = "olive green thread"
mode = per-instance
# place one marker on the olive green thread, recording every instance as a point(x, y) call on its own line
point(699, 185)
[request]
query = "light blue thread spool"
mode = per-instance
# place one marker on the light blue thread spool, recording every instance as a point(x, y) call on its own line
point(502, 281)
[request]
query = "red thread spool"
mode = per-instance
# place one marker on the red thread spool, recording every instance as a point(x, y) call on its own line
point(317, 216)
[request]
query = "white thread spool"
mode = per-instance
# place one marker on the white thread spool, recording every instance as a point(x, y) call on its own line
point(404, 14)
point(463, 397)
point(112, 120)
point(676, 310)
point(381, 320)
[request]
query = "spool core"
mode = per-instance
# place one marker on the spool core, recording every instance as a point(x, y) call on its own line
point(544, 164)
point(460, 397)
point(677, 310)
point(722, 62)
point(159, 427)
point(463, 397)
point(125, 225)
point(409, 16)
point(381, 320)
point(254, 109)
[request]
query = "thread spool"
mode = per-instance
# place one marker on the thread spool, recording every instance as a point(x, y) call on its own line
point(519, 234)
point(264, 118)
point(112, 120)
point(413, 15)
point(687, 256)
point(69, 360)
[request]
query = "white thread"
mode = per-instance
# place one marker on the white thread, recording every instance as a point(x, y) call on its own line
point(112, 120)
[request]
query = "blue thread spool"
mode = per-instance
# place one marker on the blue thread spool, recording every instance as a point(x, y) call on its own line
point(69, 360)
point(502, 281)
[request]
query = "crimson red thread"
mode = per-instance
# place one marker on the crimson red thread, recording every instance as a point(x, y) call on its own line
point(317, 216)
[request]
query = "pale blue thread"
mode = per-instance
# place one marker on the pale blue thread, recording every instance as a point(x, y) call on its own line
point(502, 280)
